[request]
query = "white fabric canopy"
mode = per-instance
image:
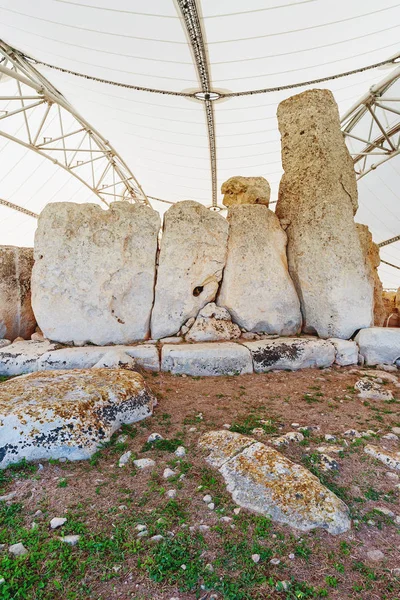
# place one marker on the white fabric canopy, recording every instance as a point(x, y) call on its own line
point(163, 138)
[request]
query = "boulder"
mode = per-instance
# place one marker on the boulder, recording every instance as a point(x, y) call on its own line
point(213, 324)
point(256, 286)
point(290, 354)
point(317, 202)
point(24, 357)
point(388, 458)
point(94, 272)
point(346, 352)
point(246, 190)
point(192, 258)
point(379, 344)
point(67, 414)
point(16, 315)
point(371, 390)
point(372, 262)
point(263, 480)
point(225, 358)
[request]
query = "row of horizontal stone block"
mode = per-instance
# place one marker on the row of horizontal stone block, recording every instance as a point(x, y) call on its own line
point(375, 345)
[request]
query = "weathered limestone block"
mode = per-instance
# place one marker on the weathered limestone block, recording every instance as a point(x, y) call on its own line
point(256, 287)
point(94, 273)
point(346, 352)
point(213, 324)
point(372, 262)
point(370, 390)
point(246, 190)
point(67, 413)
point(16, 315)
point(192, 258)
point(226, 358)
point(317, 202)
point(379, 344)
point(261, 479)
point(145, 355)
point(23, 357)
point(290, 354)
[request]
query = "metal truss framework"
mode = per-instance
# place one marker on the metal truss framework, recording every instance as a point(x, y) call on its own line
point(54, 130)
point(372, 126)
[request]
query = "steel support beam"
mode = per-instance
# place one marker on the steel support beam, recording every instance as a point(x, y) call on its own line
point(48, 120)
point(389, 241)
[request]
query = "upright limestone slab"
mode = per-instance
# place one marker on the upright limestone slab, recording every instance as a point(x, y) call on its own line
point(16, 315)
point(192, 258)
point(372, 261)
point(257, 288)
point(317, 202)
point(94, 273)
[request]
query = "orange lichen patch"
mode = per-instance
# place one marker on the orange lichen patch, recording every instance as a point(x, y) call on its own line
point(35, 394)
point(262, 479)
point(223, 445)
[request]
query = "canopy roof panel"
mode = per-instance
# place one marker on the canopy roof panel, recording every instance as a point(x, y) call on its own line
point(164, 138)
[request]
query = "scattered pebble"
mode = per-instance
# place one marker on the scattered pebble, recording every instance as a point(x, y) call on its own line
point(209, 568)
point(143, 533)
point(211, 505)
point(226, 425)
point(8, 497)
point(140, 527)
point(392, 476)
point(275, 561)
point(153, 437)
point(255, 558)
point(156, 538)
point(171, 493)
point(204, 527)
point(183, 567)
point(72, 540)
point(18, 549)
point(207, 499)
point(390, 436)
point(180, 452)
point(122, 439)
point(226, 519)
point(291, 556)
point(352, 433)
point(144, 463)
point(57, 522)
point(124, 459)
point(375, 555)
point(168, 473)
point(330, 438)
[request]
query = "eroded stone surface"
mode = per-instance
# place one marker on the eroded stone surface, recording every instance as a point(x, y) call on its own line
point(261, 479)
point(370, 390)
point(317, 201)
point(372, 262)
point(390, 459)
point(225, 358)
point(256, 287)
point(290, 353)
point(67, 414)
point(16, 315)
point(246, 190)
point(379, 344)
point(346, 352)
point(213, 324)
point(145, 355)
point(192, 258)
point(24, 357)
point(94, 273)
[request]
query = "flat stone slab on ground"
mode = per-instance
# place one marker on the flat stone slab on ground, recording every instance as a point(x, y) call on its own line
point(290, 353)
point(226, 358)
point(379, 344)
point(370, 390)
point(67, 414)
point(261, 479)
point(390, 459)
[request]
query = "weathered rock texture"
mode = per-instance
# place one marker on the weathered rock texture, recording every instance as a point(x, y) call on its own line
point(225, 358)
point(94, 273)
point(372, 262)
point(246, 190)
point(391, 304)
point(23, 357)
point(379, 344)
point(257, 288)
point(192, 258)
point(317, 202)
point(346, 352)
point(290, 354)
point(261, 479)
point(390, 459)
point(16, 315)
point(67, 413)
point(213, 324)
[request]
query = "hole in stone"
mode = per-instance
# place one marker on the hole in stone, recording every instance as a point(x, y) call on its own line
point(197, 290)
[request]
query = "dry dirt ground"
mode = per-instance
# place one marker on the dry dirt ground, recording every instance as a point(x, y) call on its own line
point(200, 555)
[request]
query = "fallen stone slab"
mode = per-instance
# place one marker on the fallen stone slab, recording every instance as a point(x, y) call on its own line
point(346, 352)
point(290, 354)
point(379, 344)
point(261, 479)
point(23, 357)
point(381, 374)
point(390, 459)
point(67, 414)
point(145, 355)
point(369, 390)
point(225, 358)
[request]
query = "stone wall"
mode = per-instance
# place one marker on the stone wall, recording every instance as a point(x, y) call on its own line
point(16, 315)
point(372, 262)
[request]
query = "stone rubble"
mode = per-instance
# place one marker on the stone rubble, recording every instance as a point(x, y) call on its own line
point(213, 324)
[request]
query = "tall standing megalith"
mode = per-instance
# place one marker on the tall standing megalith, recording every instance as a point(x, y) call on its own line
point(372, 261)
point(317, 202)
point(94, 273)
